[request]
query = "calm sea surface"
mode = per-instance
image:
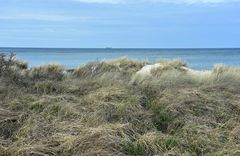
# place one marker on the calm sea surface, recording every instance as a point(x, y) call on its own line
point(195, 58)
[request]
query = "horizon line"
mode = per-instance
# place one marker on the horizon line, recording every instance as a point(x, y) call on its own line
point(123, 47)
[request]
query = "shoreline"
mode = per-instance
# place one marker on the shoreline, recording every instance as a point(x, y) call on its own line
point(72, 58)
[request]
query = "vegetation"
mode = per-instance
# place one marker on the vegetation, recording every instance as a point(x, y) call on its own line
point(105, 108)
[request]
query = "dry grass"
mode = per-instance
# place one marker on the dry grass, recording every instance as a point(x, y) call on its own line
point(103, 108)
point(47, 72)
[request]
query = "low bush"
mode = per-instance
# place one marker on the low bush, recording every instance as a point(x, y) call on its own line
point(12, 70)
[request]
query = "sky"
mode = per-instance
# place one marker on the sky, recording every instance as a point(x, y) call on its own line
point(120, 23)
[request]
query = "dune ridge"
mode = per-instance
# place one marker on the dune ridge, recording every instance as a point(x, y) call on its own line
point(118, 107)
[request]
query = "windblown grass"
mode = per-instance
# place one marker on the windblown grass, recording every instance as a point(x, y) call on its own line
point(47, 72)
point(104, 108)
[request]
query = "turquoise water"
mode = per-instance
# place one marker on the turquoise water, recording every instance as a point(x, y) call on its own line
point(71, 58)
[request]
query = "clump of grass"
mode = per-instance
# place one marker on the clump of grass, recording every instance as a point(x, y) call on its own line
point(133, 149)
point(47, 72)
point(176, 64)
point(170, 74)
point(12, 70)
point(48, 87)
point(94, 69)
point(223, 74)
point(122, 67)
point(126, 64)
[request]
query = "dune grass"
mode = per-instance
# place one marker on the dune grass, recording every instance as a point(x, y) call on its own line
point(104, 108)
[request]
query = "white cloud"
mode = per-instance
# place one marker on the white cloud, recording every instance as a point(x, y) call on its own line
point(196, 1)
point(39, 17)
point(103, 1)
point(159, 1)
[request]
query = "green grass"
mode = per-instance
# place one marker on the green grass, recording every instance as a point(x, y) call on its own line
point(133, 149)
point(104, 108)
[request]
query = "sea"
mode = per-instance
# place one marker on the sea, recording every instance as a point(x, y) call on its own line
point(201, 59)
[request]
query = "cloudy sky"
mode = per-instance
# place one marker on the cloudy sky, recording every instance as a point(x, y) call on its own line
point(120, 23)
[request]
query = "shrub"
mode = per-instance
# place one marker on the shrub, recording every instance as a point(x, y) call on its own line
point(12, 70)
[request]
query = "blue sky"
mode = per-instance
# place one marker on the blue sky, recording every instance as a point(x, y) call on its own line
point(120, 23)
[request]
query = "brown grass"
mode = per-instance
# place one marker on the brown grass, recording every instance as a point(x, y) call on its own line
point(102, 109)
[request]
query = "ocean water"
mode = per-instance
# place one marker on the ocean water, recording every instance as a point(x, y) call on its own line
point(71, 58)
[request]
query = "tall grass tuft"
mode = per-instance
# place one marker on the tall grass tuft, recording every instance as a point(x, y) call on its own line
point(47, 72)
